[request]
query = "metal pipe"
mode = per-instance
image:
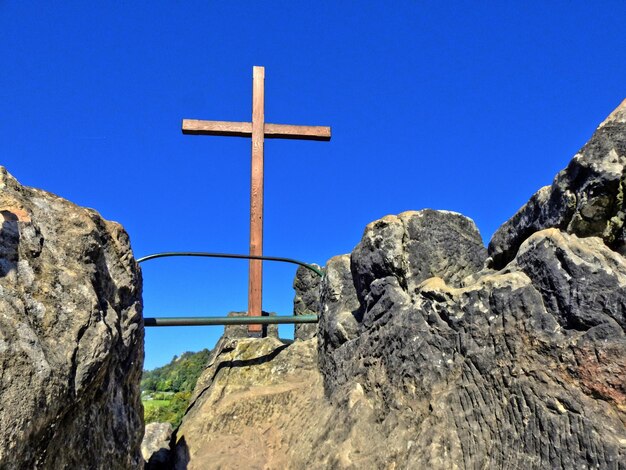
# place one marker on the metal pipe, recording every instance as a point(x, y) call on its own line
point(317, 271)
point(244, 320)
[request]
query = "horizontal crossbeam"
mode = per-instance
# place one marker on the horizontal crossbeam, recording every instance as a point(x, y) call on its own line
point(244, 129)
point(217, 321)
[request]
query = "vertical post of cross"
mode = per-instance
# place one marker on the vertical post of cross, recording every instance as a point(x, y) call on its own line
point(255, 274)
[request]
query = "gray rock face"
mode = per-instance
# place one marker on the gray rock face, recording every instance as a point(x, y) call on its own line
point(519, 368)
point(241, 331)
point(586, 198)
point(414, 246)
point(394, 256)
point(341, 310)
point(581, 281)
point(71, 335)
point(511, 371)
point(306, 301)
point(155, 446)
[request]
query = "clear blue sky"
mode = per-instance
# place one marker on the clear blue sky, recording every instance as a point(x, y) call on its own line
point(465, 106)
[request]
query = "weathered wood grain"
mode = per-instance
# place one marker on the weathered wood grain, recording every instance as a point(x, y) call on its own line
point(255, 283)
point(244, 129)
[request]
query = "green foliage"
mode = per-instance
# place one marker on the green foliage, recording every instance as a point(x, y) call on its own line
point(167, 390)
point(180, 375)
point(171, 411)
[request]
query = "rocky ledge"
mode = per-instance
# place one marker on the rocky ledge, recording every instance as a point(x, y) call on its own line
point(71, 336)
point(586, 198)
point(433, 352)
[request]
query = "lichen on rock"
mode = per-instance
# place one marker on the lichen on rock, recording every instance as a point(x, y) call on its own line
point(306, 301)
point(250, 407)
point(586, 198)
point(71, 335)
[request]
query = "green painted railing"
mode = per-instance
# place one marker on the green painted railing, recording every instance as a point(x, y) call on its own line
point(243, 320)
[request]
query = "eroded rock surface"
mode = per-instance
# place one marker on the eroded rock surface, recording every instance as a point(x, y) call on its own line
point(427, 358)
point(71, 335)
point(155, 446)
point(586, 198)
point(251, 406)
point(518, 369)
point(414, 246)
point(241, 331)
point(395, 255)
point(306, 301)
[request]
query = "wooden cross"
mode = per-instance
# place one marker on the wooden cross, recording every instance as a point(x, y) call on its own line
point(258, 129)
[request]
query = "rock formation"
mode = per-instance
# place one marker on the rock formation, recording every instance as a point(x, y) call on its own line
point(155, 446)
point(519, 368)
point(251, 407)
point(306, 301)
point(433, 353)
point(71, 335)
point(586, 198)
point(241, 331)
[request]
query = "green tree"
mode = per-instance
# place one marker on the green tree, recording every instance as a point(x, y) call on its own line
point(178, 377)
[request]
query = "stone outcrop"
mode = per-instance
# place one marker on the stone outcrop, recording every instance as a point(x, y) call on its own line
point(306, 301)
point(241, 331)
point(520, 368)
point(71, 335)
point(432, 355)
point(155, 446)
point(586, 198)
point(395, 255)
point(251, 406)
point(414, 246)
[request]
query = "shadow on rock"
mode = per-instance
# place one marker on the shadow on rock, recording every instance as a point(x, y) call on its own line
point(9, 242)
point(180, 456)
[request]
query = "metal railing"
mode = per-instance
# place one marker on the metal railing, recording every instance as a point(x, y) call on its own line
point(241, 320)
